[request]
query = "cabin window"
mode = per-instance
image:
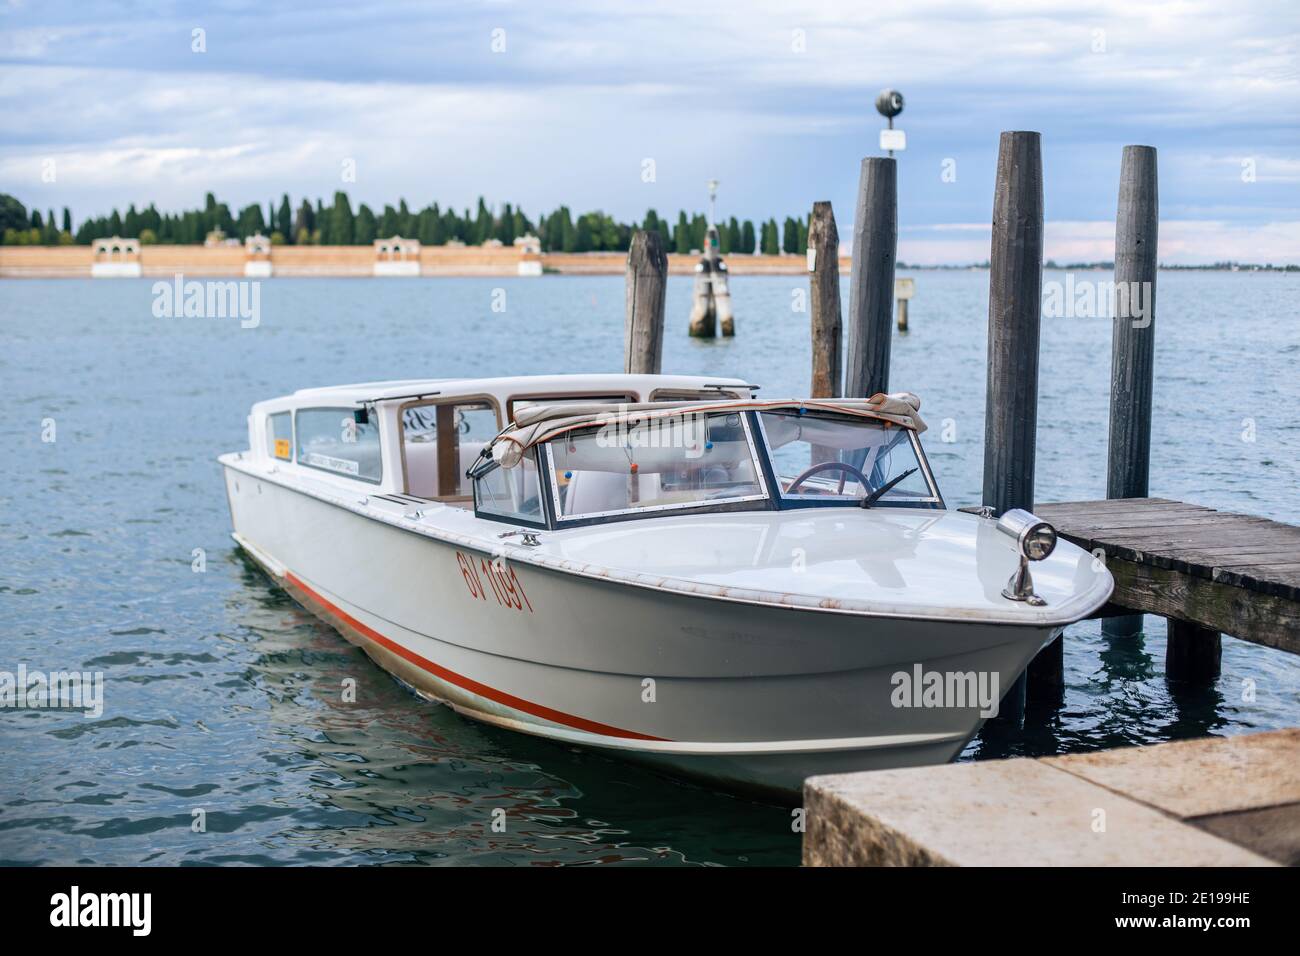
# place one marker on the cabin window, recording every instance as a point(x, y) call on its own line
point(279, 436)
point(331, 439)
point(694, 394)
point(518, 404)
point(441, 441)
point(679, 461)
point(512, 494)
point(827, 457)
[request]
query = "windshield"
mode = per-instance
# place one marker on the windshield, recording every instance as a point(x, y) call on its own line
point(819, 457)
point(674, 462)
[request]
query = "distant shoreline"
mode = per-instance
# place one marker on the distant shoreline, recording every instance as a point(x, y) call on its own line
point(158, 261)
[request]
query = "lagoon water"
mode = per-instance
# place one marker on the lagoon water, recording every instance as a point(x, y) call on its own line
point(222, 695)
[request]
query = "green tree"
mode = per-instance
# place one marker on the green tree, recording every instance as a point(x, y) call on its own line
point(483, 224)
point(790, 235)
point(505, 230)
point(364, 233)
point(284, 219)
point(748, 240)
point(304, 223)
point(771, 242)
point(342, 223)
point(699, 231)
point(13, 214)
point(682, 234)
point(250, 221)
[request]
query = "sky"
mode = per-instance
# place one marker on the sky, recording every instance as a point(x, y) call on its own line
point(623, 107)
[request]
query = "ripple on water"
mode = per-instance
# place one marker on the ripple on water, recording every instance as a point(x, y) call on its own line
point(223, 739)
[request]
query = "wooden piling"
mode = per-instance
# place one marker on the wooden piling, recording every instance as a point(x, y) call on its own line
point(1193, 652)
point(871, 284)
point(904, 289)
point(824, 288)
point(1128, 461)
point(647, 281)
point(1015, 299)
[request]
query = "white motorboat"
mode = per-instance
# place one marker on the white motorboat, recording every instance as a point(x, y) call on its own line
point(660, 567)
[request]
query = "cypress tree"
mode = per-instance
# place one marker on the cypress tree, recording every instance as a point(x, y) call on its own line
point(364, 232)
point(342, 223)
point(483, 224)
point(747, 238)
point(734, 240)
point(284, 219)
point(682, 235)
point(790, 235)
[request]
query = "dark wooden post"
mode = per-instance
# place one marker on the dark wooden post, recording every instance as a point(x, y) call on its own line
point(1015, 309)
point(824, 286)
point(871, 284)
point(647, 281)
point(1128, 460)
point(1193, 652)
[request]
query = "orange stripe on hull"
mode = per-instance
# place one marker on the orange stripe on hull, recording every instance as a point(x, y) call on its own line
point(466, 683)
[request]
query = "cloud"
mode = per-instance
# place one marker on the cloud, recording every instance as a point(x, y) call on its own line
point(1181, 242)
point(773, 100)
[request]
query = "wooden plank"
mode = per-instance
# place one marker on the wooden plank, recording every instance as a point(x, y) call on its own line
point(1252, 615)
point(1102, 504)
point(1197, 558)
point(1182, 550)
point(1190, 520)
point(1282, 580)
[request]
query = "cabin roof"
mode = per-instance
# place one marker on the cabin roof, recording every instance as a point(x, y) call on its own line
point(541, 423)
point(500, 387)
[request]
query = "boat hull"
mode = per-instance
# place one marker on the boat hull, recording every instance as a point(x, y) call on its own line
point(749, 696)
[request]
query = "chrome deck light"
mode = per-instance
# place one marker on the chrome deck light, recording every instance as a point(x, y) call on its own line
point(1035, 540)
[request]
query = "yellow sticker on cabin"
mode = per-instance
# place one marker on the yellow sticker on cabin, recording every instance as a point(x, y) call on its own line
point(282, 449)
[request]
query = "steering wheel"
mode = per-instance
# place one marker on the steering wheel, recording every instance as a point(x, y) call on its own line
point(842, 466)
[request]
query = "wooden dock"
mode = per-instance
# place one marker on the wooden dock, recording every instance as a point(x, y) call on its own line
point(1219, 571)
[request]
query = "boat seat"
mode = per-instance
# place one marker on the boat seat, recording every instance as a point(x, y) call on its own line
point(422, 466)
point(595, 491)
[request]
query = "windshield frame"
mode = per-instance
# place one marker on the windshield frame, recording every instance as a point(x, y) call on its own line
point(786, 502)
point(765, 476)
point(762, 501)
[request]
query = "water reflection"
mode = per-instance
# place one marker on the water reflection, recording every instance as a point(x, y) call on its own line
point(394, 778)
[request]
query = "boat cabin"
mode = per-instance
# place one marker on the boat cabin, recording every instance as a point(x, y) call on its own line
point(563, 451)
